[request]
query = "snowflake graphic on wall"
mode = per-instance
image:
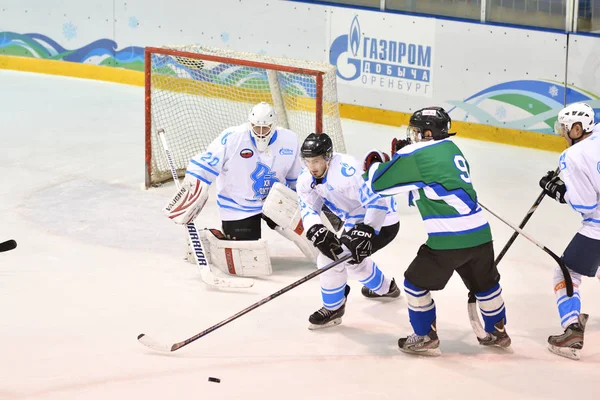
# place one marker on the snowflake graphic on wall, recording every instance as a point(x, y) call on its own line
point(553, 91)
point(69, 30)
point(501, 112)
point(133, 22)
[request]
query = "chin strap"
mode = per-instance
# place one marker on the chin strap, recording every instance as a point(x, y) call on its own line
point(579, 139)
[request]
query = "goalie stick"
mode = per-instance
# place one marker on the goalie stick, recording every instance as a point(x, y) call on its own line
point(199, 255)
point(153, 344)
point(472, 305)
point(8, 245)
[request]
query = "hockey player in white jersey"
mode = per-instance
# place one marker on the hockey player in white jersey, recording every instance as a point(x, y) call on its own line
point(578, 186)
point(245, 162)
point(370, 223)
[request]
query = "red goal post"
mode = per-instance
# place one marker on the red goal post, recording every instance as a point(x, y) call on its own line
point(195, 92)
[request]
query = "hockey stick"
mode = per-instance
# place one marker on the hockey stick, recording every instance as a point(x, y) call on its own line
point(472, 304)
point(561, 264)
point(523, 223)
point(8, 245)
point(148, 342)
point(199, 255)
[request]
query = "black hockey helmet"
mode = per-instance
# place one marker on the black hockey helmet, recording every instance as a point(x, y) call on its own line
point(317, 144)
point(435, 119)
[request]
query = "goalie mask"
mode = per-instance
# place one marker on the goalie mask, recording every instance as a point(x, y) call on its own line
point(263, 122)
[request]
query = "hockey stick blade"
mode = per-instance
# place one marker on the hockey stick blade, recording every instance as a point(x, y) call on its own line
point(473, 312)
point(211, 279)
point(8, 245)
point(199, 255)
point(559, 261)
point(151, 343)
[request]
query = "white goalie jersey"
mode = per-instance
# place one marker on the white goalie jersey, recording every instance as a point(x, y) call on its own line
point(580, 170)
point(244, 176)
point(346, 194)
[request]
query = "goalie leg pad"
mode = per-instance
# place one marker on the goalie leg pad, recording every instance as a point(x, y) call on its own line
point(236, 257)
point(281, 207)
point(187, 203)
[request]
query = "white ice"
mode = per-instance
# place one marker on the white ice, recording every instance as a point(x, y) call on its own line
point(97, 264)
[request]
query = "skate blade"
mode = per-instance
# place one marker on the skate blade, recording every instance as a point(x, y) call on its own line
point(506, 346)
point(383, 298)
point(568, 352)
point(427, 352)
point(331, 323)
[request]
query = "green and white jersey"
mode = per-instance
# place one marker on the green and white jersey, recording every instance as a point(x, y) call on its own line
point(437, 176)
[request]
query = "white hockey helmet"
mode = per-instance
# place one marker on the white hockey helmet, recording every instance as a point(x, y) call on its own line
point(572, 114)
point(263, 122)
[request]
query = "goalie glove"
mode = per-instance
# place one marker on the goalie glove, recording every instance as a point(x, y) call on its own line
point(375, 156)
point(554, 186)
point(359, 240)
point(324, 240)
point(188, 201)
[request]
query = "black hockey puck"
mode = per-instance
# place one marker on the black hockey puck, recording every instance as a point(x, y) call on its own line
point(8, 245)
point(211, 379)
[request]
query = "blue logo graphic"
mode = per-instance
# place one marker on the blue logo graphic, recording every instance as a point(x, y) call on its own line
point(561, 161)
point(286, 152)
point(224, 138)
point(263, 179)
point(348, 170)
point(598, 167)
point(385, 63)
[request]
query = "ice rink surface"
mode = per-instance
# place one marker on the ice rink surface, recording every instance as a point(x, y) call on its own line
point(97, 264)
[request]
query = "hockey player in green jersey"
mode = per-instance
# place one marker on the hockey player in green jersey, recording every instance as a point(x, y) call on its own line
point(436, 174)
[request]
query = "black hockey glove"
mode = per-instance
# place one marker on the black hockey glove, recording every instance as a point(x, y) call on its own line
point(554, 186)
point(359, 240)
point(375, 156)
point(397, 144)
point(324, 240)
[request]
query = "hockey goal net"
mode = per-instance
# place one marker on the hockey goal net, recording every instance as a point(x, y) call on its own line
point(195, 92)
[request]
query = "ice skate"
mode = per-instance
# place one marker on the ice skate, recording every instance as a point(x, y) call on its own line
point(428, 345)
point(498, 337)
point(325, 318)
point(570, 343)
point(394, 292)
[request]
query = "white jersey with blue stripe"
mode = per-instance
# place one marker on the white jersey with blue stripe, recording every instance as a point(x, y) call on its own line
point(244, 175)
point(346, 194)
point(580, 170)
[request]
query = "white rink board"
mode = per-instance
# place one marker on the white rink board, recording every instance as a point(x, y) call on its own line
point(501, 76)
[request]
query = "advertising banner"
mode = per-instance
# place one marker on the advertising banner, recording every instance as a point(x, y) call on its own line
point(383, 52)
